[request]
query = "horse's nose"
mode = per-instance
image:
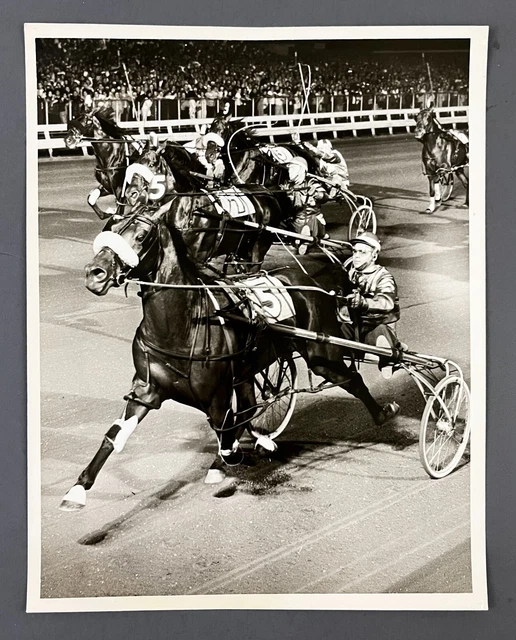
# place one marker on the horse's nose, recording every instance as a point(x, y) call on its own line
point(95, 277)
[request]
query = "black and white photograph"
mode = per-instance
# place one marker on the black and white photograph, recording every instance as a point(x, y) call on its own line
point(256, 319)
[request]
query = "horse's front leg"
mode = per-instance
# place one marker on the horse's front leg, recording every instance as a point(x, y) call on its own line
point(93, 197)
point(114, 440)
point(435, 194)
point(461, 174)
point(222, 420)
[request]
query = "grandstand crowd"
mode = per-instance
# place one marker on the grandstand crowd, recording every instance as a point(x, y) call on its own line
point(191, 79)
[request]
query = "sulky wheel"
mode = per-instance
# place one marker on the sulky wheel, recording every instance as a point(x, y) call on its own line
point(275, 402)
point(445, 427)
point(446, 181)
point(363, 219)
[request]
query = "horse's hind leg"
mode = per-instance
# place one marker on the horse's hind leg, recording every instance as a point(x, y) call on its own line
point(461, 175)
point(327, 362)
point(114, 440)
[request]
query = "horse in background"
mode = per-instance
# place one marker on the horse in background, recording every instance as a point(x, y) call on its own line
point(160, 172)
point(114, 150)
point(183, 349)
point(249, 159)
point(442, 154)
point(210, 221)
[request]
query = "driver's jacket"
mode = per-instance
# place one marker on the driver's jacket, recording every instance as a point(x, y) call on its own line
point(331, 163)
point(307, 197)
point(197, 148)
point(379, 289)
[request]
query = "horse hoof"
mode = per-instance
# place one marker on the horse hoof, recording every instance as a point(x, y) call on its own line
point(214, 476)
point(68, 505)
point(74, 500)
point(389, 411)
point(266, 443)
point(427, 211)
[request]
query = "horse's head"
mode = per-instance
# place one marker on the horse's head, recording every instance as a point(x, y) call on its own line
point(150, 178)
point(85, 126)
point(424, 123)
point(130, 246)
point(239, 139)
point(222, 126)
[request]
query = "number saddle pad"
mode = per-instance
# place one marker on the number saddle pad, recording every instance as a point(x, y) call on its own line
point(233, 202)
point(280, 155)
point(267, 296)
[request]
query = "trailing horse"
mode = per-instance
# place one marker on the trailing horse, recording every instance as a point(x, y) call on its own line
point(209, 221)
point(184, 351)
point(443, 154)
point(113, 149)
point(159, 173)
point(248, 159)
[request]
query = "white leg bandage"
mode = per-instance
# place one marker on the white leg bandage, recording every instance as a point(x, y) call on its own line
point(126, 428)
point(93, 196)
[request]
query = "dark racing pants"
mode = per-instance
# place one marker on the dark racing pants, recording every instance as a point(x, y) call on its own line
point(368, 334)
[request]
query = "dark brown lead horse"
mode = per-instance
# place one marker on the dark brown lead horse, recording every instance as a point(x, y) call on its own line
point(183, 351)
point(443, 154)
point(113, 149)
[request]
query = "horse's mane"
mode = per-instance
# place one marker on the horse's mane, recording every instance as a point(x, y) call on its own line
point(187, 265)
point(182, 163)
point(247, 136)
point(107, 120)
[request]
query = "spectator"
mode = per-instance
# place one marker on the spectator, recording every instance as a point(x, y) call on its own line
point(243, 71)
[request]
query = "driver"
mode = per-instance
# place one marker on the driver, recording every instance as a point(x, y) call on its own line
point(306, 195)
point(332, 166)
point(209, 155)
point(372, 310)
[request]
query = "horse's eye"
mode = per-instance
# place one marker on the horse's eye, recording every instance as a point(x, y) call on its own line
point(141, 237)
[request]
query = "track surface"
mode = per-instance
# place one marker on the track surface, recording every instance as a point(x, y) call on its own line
point(343, 507)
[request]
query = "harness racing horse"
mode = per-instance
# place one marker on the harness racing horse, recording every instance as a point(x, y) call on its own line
point(247, 159)
point(183, 350)
point(442, 154)
point(159, 173)
point(211, 224)
point(209, 221)
point(111, 148)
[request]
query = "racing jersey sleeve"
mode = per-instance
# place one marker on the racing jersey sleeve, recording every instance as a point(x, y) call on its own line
point(380, 293)
point(383, 298)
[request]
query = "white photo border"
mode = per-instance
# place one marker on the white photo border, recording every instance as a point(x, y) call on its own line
point(477, 599)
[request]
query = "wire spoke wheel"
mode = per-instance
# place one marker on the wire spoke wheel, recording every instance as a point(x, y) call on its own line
point(447, 181)
point(274, 398)
point(445, 427)
point(363, 219)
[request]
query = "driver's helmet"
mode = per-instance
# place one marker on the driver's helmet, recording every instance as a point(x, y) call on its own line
point(213, 137)
point(325, 146)
point(297, 169)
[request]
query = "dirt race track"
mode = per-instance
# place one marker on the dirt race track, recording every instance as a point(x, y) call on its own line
point(342, 507)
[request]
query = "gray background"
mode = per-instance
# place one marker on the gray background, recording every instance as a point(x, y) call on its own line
point(500, 621)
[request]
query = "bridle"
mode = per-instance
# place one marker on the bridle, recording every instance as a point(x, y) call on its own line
point(114, 241)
